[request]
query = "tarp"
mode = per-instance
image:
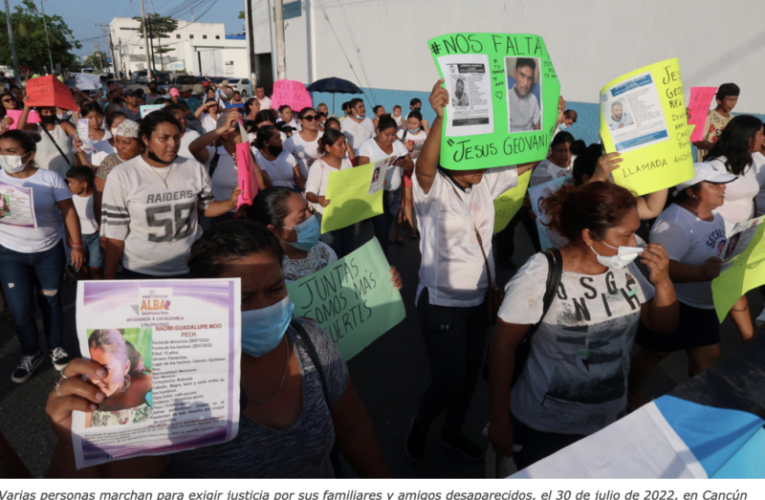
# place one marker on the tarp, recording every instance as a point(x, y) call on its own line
point(710, 426)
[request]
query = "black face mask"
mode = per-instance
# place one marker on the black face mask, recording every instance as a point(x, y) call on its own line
point(49, 119)
point(275, 150)
point(156, 158)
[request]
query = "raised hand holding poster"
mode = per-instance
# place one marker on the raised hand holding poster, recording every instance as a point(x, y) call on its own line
point(643, 117)
point(503, 99)
point(353, 299)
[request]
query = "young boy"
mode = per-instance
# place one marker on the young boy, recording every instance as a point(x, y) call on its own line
point(81, 181)
point(718, 118)
point(397, 116)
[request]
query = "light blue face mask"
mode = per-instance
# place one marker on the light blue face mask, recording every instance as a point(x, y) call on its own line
point(359, 117)
point(562, 127)
point(308, 233)
point(263, 329)
point(413, 131)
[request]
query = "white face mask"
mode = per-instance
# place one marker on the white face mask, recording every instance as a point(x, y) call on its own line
point(13, 164)
point(624, 256)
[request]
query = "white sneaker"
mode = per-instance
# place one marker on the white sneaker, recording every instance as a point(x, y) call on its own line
point(60, 358)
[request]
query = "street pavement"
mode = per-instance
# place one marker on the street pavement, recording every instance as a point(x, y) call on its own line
point(390, 376)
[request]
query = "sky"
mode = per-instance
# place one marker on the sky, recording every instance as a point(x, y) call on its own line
point(83, 15)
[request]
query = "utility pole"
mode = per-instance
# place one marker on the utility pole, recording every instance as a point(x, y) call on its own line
point(281, 62)
point(16, 74)
point(111, 48)
point(47, 40)
point(146, 38)
point(253, 58)
point(151, 43)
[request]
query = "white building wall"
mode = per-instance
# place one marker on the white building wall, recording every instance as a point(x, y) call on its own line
point(590, 41)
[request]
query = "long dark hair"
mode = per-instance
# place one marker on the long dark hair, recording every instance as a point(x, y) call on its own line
point(734, 143)
point(264, 135)
point(268, 208)
point(329, 138)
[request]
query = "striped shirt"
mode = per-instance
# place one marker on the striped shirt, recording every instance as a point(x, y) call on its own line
point(154, 211)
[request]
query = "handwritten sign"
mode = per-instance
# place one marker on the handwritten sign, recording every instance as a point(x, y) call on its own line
point(643, 117)
point(87, 81)
point(353, 299)
point(15, 114)
point(701, 99)
point(350, 201)
point(743, 265)
point(245, 172)
point(49, 91)
point(503, 99)
point(509, 202)
point(291, 93)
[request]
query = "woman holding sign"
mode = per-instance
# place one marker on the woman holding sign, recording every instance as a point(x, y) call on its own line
point(220, 159)
point(385, 144)
point(56, 151)
point(141, 193)
point(100, 139)
point(32, 254)
point(574, 379)
point(693, 235)
point(288, 423)
point(455, 210)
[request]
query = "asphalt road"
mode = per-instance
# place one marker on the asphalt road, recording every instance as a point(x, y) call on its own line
point(390, 376)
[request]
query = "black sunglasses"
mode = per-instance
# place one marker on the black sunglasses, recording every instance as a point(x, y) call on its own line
point(309, 118)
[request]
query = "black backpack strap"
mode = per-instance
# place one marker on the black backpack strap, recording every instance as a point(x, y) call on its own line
point(310, 349)
point(56, 144)
point(554, 273)
point(214, 163)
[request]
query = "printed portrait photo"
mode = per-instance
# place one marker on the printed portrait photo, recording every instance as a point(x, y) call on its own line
point(524, 93)
point(126, 356)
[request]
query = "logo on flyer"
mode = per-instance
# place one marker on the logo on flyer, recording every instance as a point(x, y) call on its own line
point(155, 300)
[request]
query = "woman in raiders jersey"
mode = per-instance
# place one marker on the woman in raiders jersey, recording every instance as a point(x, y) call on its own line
point(150, 203)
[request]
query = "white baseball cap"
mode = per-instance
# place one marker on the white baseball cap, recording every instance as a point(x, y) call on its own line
point(705, 172)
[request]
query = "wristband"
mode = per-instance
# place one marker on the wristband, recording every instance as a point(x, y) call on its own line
point(76, 245)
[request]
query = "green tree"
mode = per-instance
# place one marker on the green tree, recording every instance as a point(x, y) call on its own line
point(158, 27)
point(29, 39)
point(97, 61)
point(241, 14)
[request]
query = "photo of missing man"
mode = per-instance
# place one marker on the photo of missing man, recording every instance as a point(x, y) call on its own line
point(524, 91)
point(125, 354)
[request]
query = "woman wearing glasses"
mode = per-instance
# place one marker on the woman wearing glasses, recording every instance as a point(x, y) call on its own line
point(9, 104)
point(304, 145)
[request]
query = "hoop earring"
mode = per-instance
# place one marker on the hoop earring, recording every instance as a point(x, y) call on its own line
point(126, 385)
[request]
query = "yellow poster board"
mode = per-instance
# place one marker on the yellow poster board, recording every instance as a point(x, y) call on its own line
point(509, 202)
point(642, 116)
point(742, 270)
point(354, 195)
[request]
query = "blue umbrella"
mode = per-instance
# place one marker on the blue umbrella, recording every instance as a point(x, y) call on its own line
point(334, 86)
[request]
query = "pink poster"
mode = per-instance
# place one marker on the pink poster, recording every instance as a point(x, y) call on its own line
point(15, 114)
point(701, 98)
point(291, 93)
point(245, 169)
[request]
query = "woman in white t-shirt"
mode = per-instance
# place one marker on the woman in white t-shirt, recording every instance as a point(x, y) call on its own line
point(280, 165)
point(574, 382)
point(32, 258)
point(557, 164)
point(413, 137)
point(455, 213)
point(732, 154)
point(150, 204)
point(304, 145)
point(693, 235)
point(383, 145)
point(287, 116)
point(263, 119)
point(100, 138)
point(207, 114)
point(216, 150)
point(333, 147)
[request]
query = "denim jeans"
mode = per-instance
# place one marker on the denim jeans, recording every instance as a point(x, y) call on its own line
point(383, 222)
point(29, 275)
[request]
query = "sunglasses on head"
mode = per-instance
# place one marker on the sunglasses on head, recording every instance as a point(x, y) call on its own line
point(309, 118)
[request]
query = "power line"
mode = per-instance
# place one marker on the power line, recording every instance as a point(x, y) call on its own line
point(358, 51)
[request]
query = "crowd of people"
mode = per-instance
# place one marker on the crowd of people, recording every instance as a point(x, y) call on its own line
point(157, 199)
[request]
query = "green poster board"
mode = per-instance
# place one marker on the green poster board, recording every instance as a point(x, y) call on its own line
point(353, 299)
point(503, 99)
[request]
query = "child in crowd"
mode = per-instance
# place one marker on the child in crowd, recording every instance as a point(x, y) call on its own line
point(81, 182)
point(718, 118)
point(397, 116)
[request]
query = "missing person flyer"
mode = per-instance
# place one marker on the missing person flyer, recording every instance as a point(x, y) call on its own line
point(172, 352)
point(17, 206)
